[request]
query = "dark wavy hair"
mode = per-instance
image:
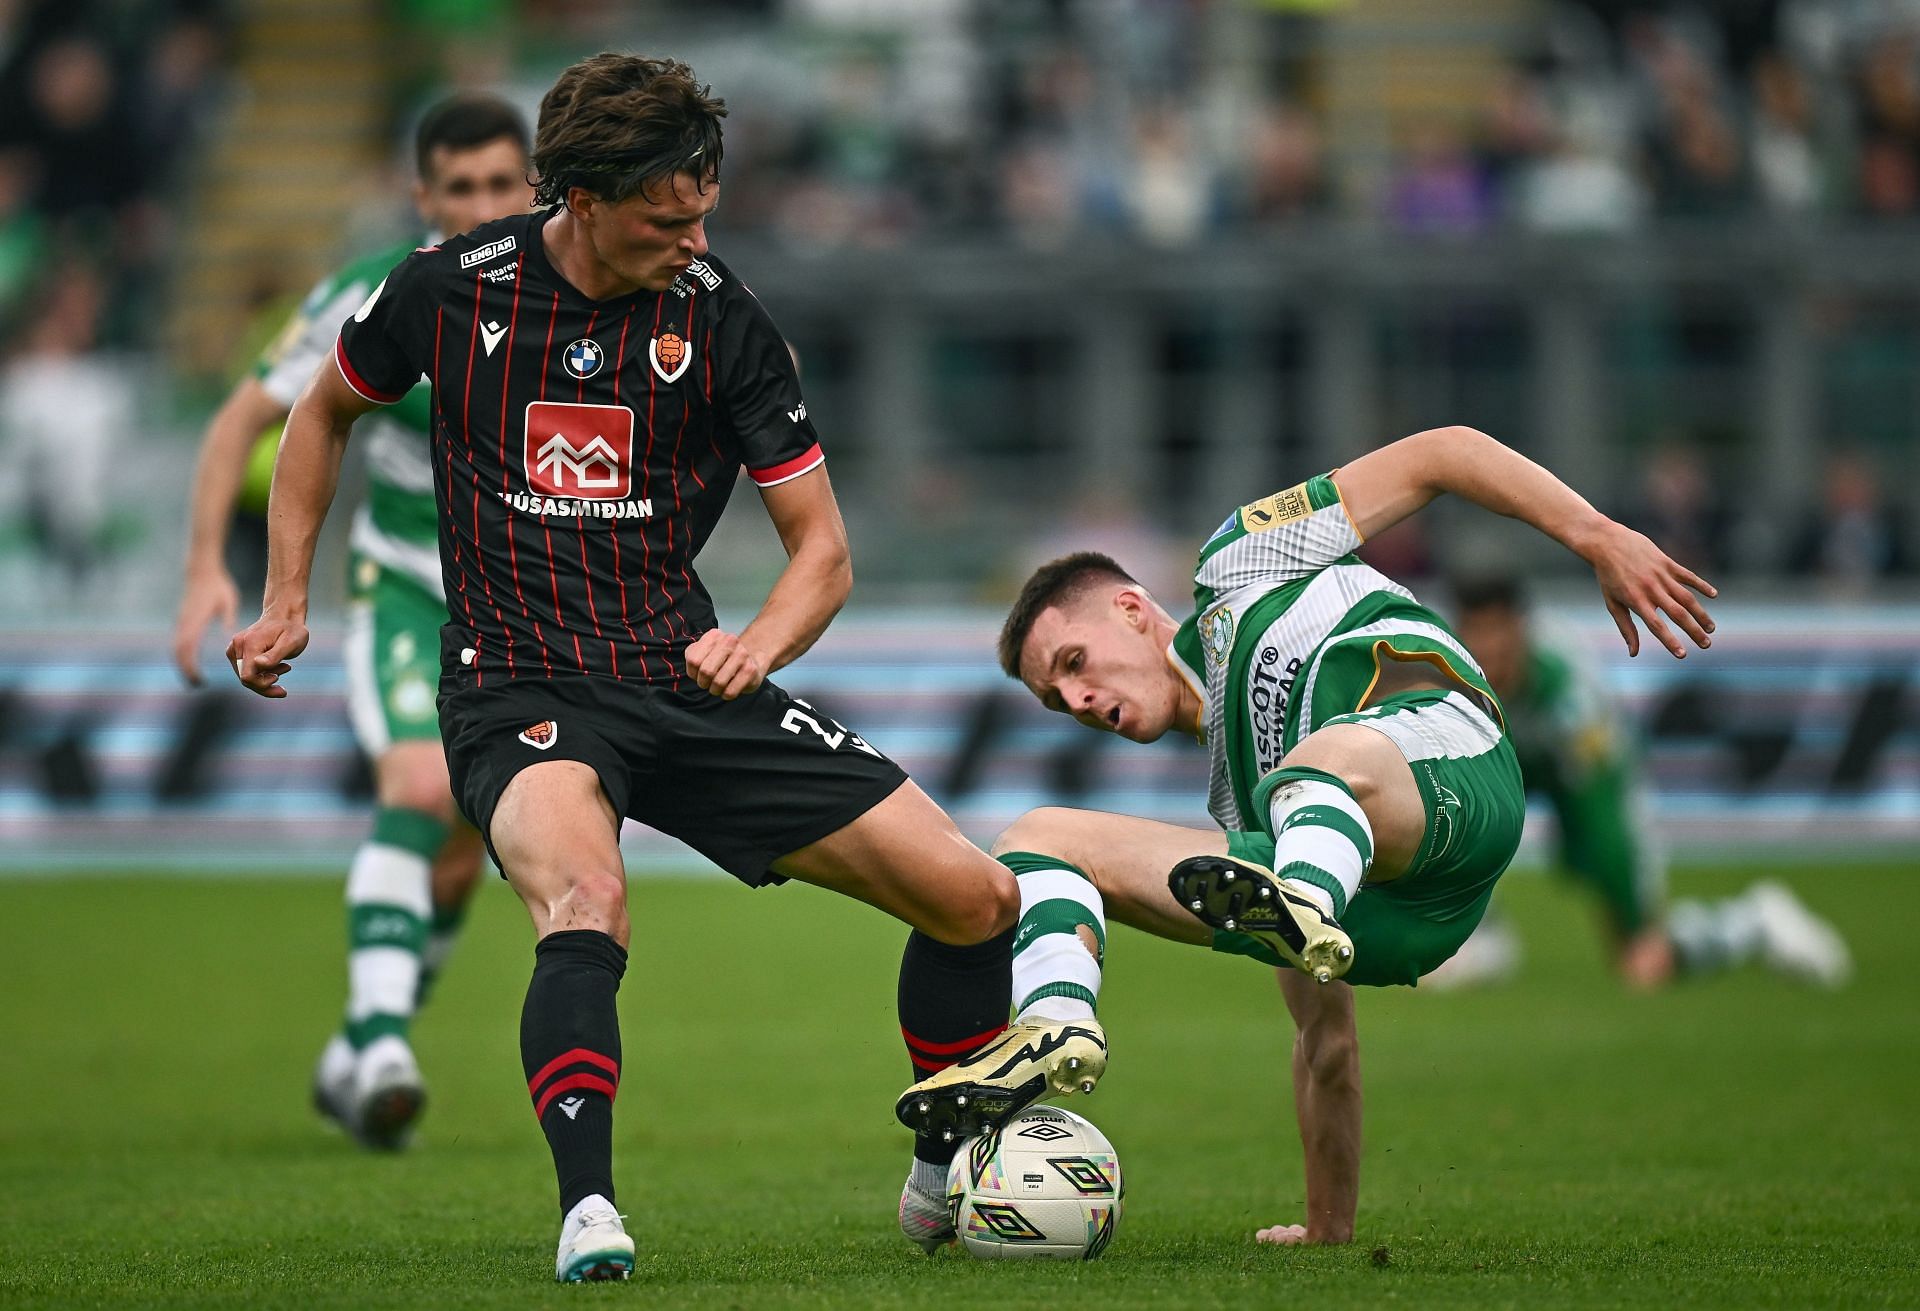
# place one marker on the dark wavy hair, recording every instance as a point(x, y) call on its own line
point(615, 125)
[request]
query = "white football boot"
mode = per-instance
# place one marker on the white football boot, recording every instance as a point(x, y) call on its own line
point(925, 1219)
point(388, 1094)
point(594, 1244)
point(1796, 942)
point(333, 1082)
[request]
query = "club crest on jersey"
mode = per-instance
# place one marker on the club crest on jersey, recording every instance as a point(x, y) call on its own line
point(542, 735)
point(671, 354)
point(578, 452)
point(1216, 635)
point(583, 358)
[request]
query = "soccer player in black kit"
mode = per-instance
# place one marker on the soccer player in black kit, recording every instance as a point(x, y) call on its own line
point(598, 382)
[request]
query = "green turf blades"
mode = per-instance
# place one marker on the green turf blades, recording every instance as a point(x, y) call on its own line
point(157, 1148)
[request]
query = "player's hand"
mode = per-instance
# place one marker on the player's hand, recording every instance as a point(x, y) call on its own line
point(1638, 578)
point(1297, 1236)
point(211, 597)
point(263, 652)
point(721, 664)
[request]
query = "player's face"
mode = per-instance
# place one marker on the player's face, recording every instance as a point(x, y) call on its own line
point(465, 188)
point(1100, 660)
point(649, 239)
point(1497, 637)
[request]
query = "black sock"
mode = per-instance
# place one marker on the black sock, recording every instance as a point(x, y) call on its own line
point(570, 1050)
point(953, 1001)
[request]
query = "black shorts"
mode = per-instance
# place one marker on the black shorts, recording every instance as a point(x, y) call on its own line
point(742, 782)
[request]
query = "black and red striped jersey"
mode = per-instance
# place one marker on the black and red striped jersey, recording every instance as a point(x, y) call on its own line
point(583, 450)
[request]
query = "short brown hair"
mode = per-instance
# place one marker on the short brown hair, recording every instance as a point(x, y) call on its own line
point(1489, 591)
point(464, 122)
point(616, 124)
point(1057, 582)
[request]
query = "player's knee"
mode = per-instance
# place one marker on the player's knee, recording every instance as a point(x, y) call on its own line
point(593, 900)
point(455, 875)
point(990, 907)
point(1331, 1054)
point(1357, 756)
point(1042, 829)
point(424, 791)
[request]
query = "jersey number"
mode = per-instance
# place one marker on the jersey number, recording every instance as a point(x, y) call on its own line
point(799, 714)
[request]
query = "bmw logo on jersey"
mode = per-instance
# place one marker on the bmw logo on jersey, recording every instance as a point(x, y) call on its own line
point(583, 358)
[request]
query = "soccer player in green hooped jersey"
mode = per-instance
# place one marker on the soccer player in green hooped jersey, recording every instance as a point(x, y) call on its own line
point(1576, 752)
point(1367, 794)
point(411, 878)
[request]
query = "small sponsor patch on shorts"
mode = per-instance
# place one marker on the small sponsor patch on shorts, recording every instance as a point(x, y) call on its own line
point(542, 735)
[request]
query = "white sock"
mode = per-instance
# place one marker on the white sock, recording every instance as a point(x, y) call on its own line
point(1056, 976)
point(1322, 843)
point(928, 1177)
point(388, 904)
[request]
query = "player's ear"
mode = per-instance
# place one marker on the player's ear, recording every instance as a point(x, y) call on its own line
point(420, 193)
point(580, 203)
point(1132, 604)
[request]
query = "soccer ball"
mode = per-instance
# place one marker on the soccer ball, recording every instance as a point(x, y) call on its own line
point(1048, 1184)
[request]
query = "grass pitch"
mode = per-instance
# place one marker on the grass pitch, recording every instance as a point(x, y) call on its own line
point(1740, 1142)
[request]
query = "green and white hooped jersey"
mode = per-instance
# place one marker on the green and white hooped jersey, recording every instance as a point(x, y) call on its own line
point(398, 525)
point(1289, 629)
point(1564, 725)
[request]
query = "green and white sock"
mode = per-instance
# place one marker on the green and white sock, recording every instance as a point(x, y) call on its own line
point(388, 902)
point(442, 932)
point(1322, 843)
point(1055, 975)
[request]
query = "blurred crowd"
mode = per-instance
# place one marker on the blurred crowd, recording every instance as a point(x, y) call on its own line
point(1048, 125)
point(1158, 121)
point(101, 104)
point(1620, 114)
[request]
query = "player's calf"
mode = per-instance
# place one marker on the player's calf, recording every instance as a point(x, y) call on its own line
point(1055, 1047)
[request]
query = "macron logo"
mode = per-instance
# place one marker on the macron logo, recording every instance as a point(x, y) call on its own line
point(504, 246)
point(572, 1105)
point(490, 335)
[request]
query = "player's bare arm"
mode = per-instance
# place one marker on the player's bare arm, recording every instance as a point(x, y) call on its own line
point(805, 598)
point(210, 594)
point(1327, 1104)
point(1636, 577)
point(304, 480)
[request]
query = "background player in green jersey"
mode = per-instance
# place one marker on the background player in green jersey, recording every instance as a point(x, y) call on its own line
point(411, 878)
point(1367, 794)
point(1577, 751)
